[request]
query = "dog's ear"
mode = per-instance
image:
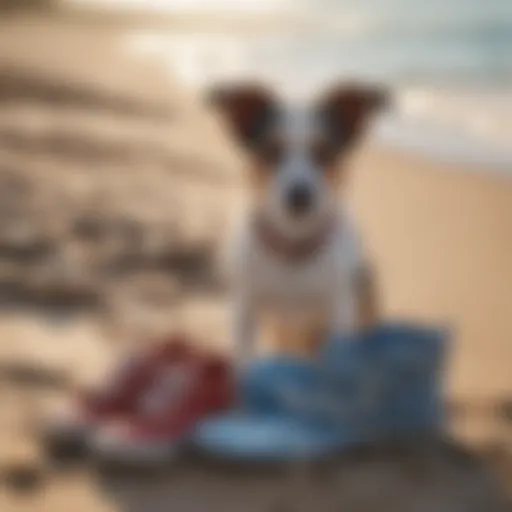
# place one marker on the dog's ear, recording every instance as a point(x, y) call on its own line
point(249, 109)
point(344, 111)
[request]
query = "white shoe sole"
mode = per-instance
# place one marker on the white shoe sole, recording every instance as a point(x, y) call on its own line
point(119, 451)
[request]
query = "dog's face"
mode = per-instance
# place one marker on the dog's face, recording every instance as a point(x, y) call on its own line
point(296, 155)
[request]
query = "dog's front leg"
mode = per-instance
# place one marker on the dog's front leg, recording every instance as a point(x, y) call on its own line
point(368, 311)
point(244, 329)
point(344, 307)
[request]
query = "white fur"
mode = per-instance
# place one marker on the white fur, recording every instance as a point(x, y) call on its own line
point(297, 129)
point(322, 285)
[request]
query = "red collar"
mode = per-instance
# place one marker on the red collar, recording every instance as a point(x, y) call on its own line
point(289, 249)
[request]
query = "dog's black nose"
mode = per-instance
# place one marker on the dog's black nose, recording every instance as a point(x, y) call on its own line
point(299, 199)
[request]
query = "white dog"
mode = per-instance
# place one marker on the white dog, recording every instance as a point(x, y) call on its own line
point(298, 267)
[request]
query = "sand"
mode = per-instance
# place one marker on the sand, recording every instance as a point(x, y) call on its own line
point(441, 237)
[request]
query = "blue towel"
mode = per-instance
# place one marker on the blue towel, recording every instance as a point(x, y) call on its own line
point(382, 383)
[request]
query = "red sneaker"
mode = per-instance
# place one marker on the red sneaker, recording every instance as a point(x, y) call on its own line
point(118, 397)
point(181, 395)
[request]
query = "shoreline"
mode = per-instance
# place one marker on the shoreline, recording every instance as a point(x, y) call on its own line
point(486, 164)
point(455, 124)
point(450, 122)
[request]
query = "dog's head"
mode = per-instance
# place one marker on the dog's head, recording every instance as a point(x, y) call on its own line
point(296, 155)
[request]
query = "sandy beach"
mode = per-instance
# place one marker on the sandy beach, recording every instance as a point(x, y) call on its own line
point(440, 235)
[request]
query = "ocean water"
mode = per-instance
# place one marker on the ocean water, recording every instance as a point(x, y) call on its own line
point(449, 62)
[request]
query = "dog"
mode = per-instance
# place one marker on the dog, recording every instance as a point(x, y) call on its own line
point(297, 264)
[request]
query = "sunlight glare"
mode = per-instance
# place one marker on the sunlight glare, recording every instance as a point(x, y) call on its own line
point(184, 5)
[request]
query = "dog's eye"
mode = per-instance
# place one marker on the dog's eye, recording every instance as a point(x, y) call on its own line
point(323, 153)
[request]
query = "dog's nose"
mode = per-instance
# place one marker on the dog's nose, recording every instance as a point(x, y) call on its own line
point(299, 199)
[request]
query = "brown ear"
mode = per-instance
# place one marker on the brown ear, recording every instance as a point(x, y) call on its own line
point(345, 110)
point(250, 110)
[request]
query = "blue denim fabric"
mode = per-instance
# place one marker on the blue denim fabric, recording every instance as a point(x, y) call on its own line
point(389, 378)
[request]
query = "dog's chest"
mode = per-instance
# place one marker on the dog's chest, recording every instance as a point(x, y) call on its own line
point(296, 287)
point(293, 286)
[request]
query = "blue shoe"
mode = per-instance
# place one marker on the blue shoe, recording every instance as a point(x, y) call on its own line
point(288, 412)
point(291, 388)
point(393, 373)
point(383, 383)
